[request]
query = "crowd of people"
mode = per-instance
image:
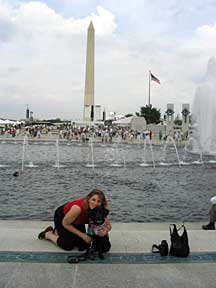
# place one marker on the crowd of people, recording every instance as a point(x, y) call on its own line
point(78, 133)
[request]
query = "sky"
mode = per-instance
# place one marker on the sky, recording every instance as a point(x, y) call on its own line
point(43, 54)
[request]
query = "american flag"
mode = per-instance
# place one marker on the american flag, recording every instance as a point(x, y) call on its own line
point(153, 78)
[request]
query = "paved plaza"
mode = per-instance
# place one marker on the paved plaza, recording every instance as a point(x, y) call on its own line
point(26, 261)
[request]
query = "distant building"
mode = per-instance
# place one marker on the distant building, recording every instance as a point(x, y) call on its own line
point(27, 112)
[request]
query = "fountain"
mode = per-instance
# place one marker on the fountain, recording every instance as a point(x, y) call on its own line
point(91, 155)
point(25, 139)
point(25, 153)
point(172, 141)
point(163, 192)
point(188, 149)
point(119, 155)
point(204, 112)
point(57, 164)
point(91, 163)
point(144, 163)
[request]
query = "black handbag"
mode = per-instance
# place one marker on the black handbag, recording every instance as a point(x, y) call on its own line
point(179, 243)
point(162, 248)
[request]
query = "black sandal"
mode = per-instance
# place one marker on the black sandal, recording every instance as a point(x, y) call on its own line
point(42, 234)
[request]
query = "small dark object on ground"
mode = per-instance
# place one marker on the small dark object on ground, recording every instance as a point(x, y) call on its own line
point(162, 248)
point(16, 174)
point(77, 259)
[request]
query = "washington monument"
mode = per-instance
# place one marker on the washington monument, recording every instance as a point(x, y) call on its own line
point(89, 103)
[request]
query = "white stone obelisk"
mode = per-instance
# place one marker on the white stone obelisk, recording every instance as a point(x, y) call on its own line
point(89, 76)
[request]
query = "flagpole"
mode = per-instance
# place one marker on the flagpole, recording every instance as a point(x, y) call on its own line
point(149, 87)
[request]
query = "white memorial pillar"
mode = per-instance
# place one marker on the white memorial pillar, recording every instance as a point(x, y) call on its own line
point(185, 119)
point(89, 76)
point(169, 118)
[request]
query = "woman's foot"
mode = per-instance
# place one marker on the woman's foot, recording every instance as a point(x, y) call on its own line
point(42, 234)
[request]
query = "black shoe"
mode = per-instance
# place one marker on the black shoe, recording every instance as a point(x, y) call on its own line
point(42, 234)
point(210, 226)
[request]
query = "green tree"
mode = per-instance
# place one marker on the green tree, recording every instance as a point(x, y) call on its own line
point(151, 114)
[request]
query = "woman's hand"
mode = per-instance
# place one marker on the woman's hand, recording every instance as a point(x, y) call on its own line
point(102, 233)
point(87, 238)
point(106, 229)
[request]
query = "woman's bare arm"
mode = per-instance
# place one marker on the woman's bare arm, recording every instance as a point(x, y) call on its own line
point(68, 220)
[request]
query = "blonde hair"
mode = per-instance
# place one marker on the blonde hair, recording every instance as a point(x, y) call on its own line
point(100, 193)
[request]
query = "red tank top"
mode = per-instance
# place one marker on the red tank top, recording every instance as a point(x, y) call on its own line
point(83, 218)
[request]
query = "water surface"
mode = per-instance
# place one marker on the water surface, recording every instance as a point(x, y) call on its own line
point(135, 193)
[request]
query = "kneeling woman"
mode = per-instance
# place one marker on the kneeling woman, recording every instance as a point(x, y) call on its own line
point(70, 220)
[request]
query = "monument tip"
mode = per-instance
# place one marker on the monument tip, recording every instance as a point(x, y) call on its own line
point(91, 25)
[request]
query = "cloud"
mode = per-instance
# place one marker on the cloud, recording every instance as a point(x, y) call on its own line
point(104, 22)
point(7, 28)
point(207, 31)
point(47, 52)
point(43, 54)
point(39, 18)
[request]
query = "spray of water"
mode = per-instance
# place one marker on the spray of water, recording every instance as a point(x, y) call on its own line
point(25, 143)
point(57, 164)
point(203, 112)
point(172, 141)
point(147, 140)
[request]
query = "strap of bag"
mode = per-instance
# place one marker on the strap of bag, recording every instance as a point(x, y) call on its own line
point(173, 230)
point(154, 246)
point(182, 226)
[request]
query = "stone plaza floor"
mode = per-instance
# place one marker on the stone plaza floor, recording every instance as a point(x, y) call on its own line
point(26, 261)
